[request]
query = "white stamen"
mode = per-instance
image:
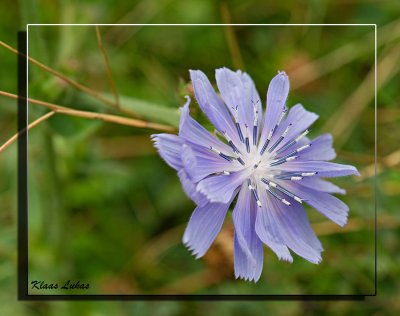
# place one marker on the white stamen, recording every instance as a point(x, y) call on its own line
point(236, 114)
point(286, 130)
point(301, 135)
point(296, 198)
point(308, 174)
point(258, 203)
point(215, 150)
point(272, 184)
point(281, 117)
point(227, 173)
point(291, 158)
point(302, 148)
point(296, 178)
point(285, 202)
point(255, 111)
point(270, 134)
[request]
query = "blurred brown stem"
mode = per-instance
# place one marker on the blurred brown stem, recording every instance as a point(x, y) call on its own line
point(108, 68)
point(231, 38)
point(61, 76)
point(31, 125)
point(97, 116)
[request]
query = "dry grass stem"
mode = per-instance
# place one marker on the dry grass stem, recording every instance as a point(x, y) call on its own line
point(62, 77)
point(231, 38)
point(96, 116)
point(108, 67)
point(31, 125)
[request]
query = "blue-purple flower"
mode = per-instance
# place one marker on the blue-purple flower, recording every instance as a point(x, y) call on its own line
point(267, 161)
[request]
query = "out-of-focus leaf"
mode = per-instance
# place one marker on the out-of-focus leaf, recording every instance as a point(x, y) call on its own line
point(73, 127)
point(148, 110)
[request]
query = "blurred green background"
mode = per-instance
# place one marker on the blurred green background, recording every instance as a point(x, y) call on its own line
point(106, 210)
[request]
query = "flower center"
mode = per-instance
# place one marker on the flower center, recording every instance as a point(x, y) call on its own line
point(262, 159)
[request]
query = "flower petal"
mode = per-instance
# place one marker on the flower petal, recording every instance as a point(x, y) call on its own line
point(252, 96)
point(211, 104)
point(300, 119)
point(190, 189)
point(169, 148)
point(277, 94)
point(294, 228)
point(321, 149)
point(321, 185)
point(327, 204)
point(220, 188)
point(268, 232)
point(324, 168)
point(200, 163)
point(191, 131)
point(203, 227)
point(248, 248)
point(236, 92)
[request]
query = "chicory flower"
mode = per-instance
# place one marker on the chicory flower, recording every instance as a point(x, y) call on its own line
point(267, 161)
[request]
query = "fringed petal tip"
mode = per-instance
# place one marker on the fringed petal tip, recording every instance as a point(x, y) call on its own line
point(196, 253)
point(342, 221)
point(251, 278)
point(286, 258)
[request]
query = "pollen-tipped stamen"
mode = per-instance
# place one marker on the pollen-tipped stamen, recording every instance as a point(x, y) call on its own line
point(282, 160)
point(247, 139)
point(272, 131)
point(282, 189)
point(274, 194)
point(254, 191)
point(255, 123)
point(230, 142)
point(237, 124)
point(292, 142)
point(294, 176)
point(296, 151)
point(280, 138)
point(226, 157)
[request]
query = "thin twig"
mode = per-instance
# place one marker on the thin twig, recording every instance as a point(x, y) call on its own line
point(62, 77)
point(108, 68)
point(31, 125)
point(96, 116)
point(231, 37)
